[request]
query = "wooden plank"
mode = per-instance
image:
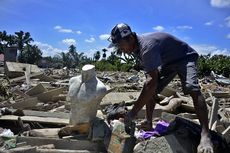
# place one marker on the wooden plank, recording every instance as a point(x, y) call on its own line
point(24, 149)
point(214, 112)
point(36, 90)
point(221, 94)
point(27, 74)
point(48, 120)
point(45, 114)
point(60, 143)
point(47, 96)
point(63, 151)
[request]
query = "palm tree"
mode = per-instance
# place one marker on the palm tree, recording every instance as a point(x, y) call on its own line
point(104, 53)
point(79, 58)
point(75, 56)
point(72, 50)
point(22, 39)
point(97, 55)
point(66, 60)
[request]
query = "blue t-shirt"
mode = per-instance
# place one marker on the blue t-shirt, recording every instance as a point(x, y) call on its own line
point(157, 49)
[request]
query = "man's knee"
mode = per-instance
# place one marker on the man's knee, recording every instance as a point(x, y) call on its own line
point(198, 99)
point(191, 89)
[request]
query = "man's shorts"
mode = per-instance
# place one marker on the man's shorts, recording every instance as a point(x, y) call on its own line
point(186, 69)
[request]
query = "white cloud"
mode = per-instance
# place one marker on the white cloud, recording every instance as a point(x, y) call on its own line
point(90, 40)
point(228, 36)
point(69, 42)
point(209, 23)
point(205, 49)
point(65, 30)
point(184, 27)
point(220, 3)
point(104, 36)
point(78, 32)
point(227, 19)
point(158, 28)
point(57, 27)
point(48, 50)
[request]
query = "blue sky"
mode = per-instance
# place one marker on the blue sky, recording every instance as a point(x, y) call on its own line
point(55, 24)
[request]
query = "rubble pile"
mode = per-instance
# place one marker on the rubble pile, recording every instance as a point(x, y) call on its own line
point(35, 108)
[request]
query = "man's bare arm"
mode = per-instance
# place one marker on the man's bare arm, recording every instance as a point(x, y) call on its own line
point(147, 93)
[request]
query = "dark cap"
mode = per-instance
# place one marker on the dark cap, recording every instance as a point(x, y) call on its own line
point(119, 31)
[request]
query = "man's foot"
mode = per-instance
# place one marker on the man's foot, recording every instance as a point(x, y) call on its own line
point(145, 125)
point(205, 145)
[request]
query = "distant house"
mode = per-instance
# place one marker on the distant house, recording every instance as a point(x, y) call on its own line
point(10, 54)
point(44, 63)
point(1, 57)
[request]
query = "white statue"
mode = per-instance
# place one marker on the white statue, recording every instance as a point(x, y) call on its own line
point(85, 94)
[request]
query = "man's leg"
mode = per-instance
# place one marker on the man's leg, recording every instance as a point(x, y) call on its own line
point(202, 114)
point(188, 75)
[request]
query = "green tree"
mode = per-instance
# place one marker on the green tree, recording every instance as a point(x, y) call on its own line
point(22, 39)
point(6, 40)
point(66, 59)
point(31, 54)
point(76, 57)
point(97, 55)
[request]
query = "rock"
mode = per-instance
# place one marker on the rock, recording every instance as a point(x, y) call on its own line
point(166, 144)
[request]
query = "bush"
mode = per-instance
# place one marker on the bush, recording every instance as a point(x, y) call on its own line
point(220, 64)
point(105, 65)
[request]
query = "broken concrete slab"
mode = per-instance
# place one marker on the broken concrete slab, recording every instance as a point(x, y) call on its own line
point(168, 91)
point(17, 79)
point(188, 108)
point(43, 77)
point(25, 103)
point(15, 69)
point(226, 134)
point(61, 97)
point(48, 95)
point(46, 133)
point(166, 144)
point(61, 143)
point(36, 90)
point(117, 97)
